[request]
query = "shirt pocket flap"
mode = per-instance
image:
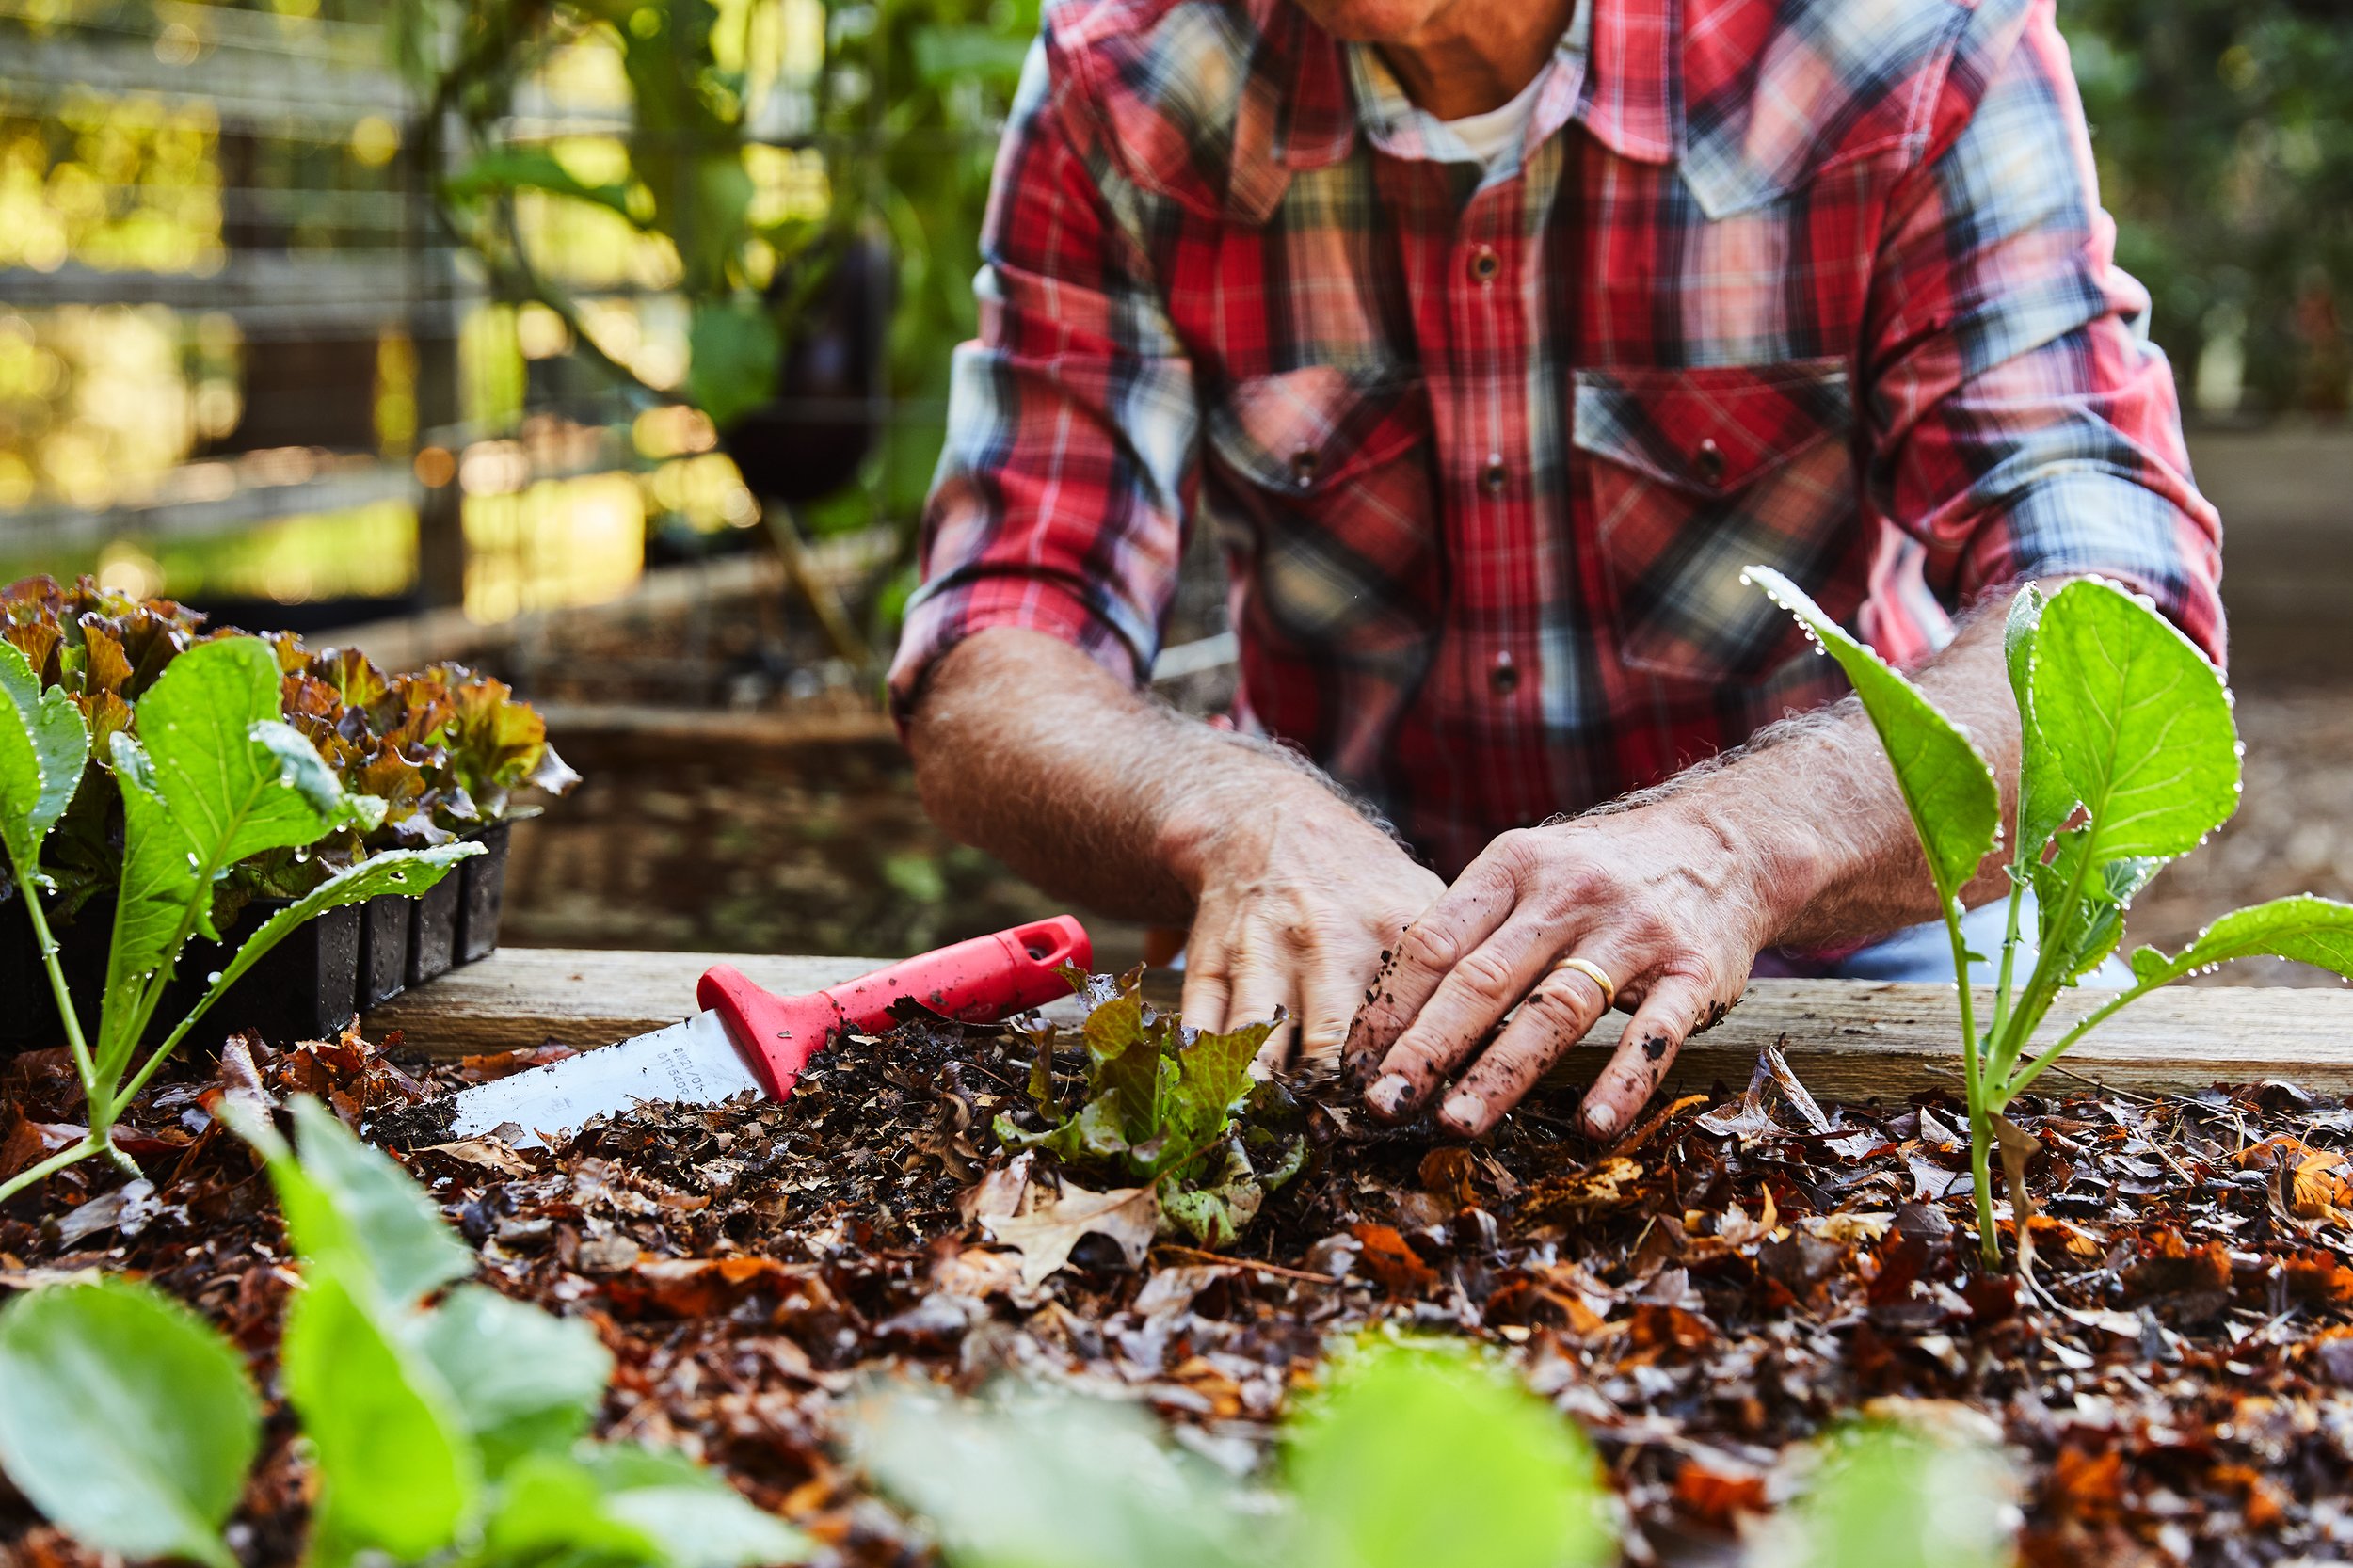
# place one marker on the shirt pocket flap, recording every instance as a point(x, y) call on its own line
point(1712, 431)
point(1304, 432)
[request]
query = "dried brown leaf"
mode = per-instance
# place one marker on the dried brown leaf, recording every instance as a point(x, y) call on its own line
point(1044, 1236)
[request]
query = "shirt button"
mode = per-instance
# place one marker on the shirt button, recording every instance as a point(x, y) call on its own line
point(1304, 467)
point(1709, 462)
point(1492, 477)
point(1504, 677)
point(1485, 265)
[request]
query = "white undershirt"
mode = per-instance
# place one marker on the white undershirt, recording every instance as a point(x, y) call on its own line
point(1491, 135)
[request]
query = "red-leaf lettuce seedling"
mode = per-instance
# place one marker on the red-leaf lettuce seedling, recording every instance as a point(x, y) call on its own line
point(1168, 1106)
point(2128, 758)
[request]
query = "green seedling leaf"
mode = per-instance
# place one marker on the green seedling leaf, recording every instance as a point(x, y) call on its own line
point(1132, 1079)
point(1423, 1456)
point(352, 1209)
point(693, 1517)
point(2138, 720)
point(1047, 1479)
point(1947, 785)
point(1216, 1209)
point(2084, 941)
point(1096, 1132)
point(125, 1418)
point(2308, 930)
point(1212, 1075)
point(549, 1509)
point(2045, 800)
point(408, 872)
point(398, 1472)
point(43, 745)
point(1894, 1496)
point(213, 778)
point(525, 1381)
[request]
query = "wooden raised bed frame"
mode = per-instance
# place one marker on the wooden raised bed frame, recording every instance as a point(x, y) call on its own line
point(1847, 1040)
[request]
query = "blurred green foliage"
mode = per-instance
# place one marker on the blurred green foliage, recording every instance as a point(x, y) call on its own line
point(2224, 135)
point(903, 101)
point(2223, 140)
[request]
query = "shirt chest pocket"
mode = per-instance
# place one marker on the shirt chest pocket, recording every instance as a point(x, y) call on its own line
point(1321, 481)
point(1697, 473)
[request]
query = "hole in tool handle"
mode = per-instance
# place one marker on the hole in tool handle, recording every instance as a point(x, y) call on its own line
point(1054, 943)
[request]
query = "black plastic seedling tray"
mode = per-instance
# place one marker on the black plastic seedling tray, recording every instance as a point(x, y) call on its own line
point(345, 961)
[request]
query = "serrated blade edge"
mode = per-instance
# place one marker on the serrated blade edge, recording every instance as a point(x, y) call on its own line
point(694, 1061)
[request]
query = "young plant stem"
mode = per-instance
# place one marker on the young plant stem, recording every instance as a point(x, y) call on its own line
point(83, 1066)
point(1980, 1121)
point(2043, 983)
point(1996, 1031)
point(2058, 1047)
point(259, 949)
point(71, 1155)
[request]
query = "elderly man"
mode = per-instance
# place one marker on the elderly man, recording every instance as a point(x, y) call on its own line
point(1493, 338)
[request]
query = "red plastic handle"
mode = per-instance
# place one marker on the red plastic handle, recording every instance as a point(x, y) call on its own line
point(976, 982)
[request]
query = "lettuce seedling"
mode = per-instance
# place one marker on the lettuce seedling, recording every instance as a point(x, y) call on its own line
point(2129, 757)
point(211, 777)
point(443, 1421)
point(1168, 1106)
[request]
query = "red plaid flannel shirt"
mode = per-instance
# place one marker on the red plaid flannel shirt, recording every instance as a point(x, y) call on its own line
point(1822, 285)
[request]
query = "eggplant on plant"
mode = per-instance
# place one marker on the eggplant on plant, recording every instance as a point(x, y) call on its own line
point(2128, 758)
point(213, 777)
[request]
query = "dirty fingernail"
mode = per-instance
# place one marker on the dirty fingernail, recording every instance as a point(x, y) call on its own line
point(1466, 1110)
point(1603, 1119)
point(1389, 1093)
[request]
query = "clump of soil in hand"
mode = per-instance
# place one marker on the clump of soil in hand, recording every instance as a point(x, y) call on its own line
point(1702, 1296)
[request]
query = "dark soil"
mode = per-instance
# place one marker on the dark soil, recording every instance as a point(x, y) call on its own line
point(2177, 1386)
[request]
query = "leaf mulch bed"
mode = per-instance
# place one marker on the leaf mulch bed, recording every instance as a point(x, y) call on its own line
point(2177, 1386)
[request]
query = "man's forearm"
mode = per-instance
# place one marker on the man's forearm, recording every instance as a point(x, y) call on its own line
point(1026, 747)
point(1818, 808)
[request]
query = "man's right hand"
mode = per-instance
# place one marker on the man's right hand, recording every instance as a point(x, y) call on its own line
point(1032, 750)
point(1298, 904)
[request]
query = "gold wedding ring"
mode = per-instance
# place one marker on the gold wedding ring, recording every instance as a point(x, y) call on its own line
point(1592, 972)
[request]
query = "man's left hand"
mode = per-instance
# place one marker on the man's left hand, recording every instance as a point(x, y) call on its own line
point(1660, 898)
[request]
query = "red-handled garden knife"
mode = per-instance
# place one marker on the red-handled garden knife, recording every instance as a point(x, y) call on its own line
point(747, 1038)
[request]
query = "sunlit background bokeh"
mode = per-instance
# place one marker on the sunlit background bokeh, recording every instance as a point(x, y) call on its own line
point(237, 361)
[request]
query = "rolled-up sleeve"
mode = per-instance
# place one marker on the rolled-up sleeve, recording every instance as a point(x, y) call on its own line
point(2019, 424)
point(1059, 499)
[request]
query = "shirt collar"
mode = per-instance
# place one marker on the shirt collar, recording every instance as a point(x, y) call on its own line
point(1615, 70)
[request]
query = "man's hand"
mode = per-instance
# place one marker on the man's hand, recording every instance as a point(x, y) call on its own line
point(1802, 837)
point(1030, 749)
point(1298, 904)
point(1659, 899)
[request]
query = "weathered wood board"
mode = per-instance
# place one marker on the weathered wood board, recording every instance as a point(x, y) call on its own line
point(1845, 1039)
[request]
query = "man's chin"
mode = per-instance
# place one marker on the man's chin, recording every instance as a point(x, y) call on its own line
point(1373, 21)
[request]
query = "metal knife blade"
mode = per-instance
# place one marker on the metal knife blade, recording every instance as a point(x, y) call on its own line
point(694, 1061)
